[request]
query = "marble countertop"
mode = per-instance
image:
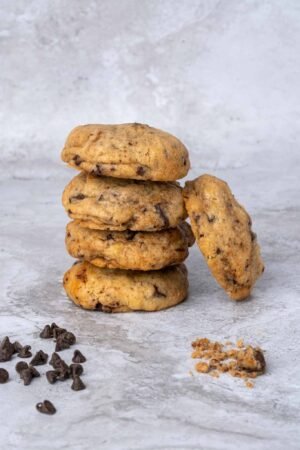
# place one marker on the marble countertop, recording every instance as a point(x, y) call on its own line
point(141, 394)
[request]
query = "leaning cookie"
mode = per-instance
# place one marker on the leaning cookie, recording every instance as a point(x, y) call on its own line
point(112, 290)
point(130, 150)
point(131, 250)
point(107, 203)
point(223, 233)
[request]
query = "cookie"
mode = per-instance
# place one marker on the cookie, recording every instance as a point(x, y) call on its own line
point(107, 203)
point(131, 250)
point(131, 150)
point(113, 290)
point(223, 233)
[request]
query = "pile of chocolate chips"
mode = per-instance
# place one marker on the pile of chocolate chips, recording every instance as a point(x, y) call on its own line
point(60, 371)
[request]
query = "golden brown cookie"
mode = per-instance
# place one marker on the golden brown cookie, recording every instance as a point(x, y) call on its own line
point(222, 229)
point(130, 150)
point(131, 250)
point(113, 290)
point(107, 203)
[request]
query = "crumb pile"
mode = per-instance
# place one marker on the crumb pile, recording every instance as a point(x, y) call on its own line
point(242, 361)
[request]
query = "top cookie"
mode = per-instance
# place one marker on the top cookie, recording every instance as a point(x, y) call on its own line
point(130, 150)
point(223, 233)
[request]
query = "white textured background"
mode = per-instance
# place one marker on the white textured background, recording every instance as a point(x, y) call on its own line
point(224, 76)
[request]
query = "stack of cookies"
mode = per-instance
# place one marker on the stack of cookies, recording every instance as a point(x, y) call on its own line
point(128, 229)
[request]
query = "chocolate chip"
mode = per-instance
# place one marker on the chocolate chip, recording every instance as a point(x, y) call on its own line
point(140, 171)
point(7, 346)
point(4, 376)
point(258, 355)
point(5, 355)
point(34, 372)
point(51, 376)
point(162, 214)
point(157, 292)
point(97, 170)
point(253, 236)
point(77, 384)
point(53, 326)
point(76, 370)
point(58, 331)
point(39, 358)
point(77, 160)
point(61, 345)
point(26, 376)
point(74, 198)
point(62, 371)
point(21, 365)
point(46, 407)
point(78, 357)
point(129, 236)
point(69, 337)
point(25, 352)
point(218, 251)
point(17, 347)
point(55, 360)
point(46, 333)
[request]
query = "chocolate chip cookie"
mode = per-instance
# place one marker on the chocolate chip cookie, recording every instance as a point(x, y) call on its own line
point(223, 233)
point(113, 290)
point(107, 203)
point(131, 150)
point(131, 250)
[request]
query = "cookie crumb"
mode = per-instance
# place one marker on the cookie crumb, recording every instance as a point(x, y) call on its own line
point(243, 361)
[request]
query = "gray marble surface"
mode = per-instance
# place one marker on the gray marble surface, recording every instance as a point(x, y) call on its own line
point(140, 392)
point(222, 75)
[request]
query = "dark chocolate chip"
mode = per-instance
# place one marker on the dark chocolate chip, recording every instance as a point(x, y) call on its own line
point(218, 251)
point(258, 355)
point(21, 365)
point(53, 326)
point(5, 355)
point(51, 376)
point(58, 331)
point(61, 344)
point(69, 337)
point(46, 333)
point(97, 170)
point(76, 370)
point(34, 372)
point(140, 171)
point(62, 371)
point(25, 352)
point(77, 384)
point(157, 292)
point(46, 407)
point(55, 360)
point(26, 376)
point(253, 236)
point(4, 376)
point(77, 160)
point(78, 357)
point(7, 345)
point(39, 358)
point(130, 235)
point(17, 347)
point(162, 214)
point(74, 198)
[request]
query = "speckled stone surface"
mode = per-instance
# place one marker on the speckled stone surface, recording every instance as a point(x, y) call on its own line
point(224, 77)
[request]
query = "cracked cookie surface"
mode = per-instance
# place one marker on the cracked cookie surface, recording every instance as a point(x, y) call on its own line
point(131, 150)
point(131, 250)
point(222, 229)
point(107, 203)
point(113, 290)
